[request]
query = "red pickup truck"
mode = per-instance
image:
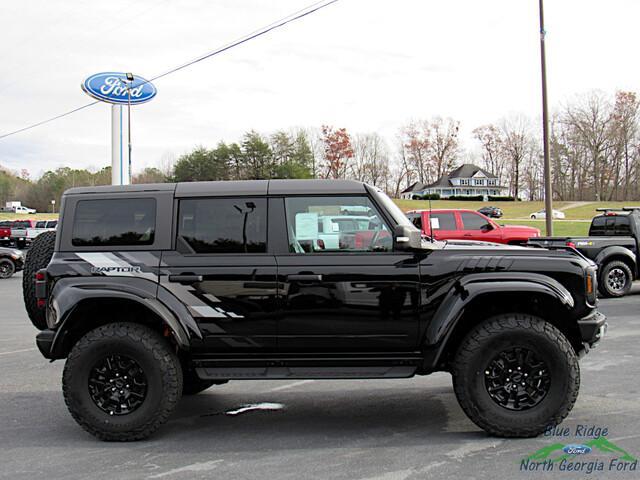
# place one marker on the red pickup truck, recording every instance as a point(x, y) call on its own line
point(455, 224)
point(5, 232)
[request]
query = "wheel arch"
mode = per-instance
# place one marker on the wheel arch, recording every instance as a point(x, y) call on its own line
point(469, 305)
point(617, 253)
point(82, 310)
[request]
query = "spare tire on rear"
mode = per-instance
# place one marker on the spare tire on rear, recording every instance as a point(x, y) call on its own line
point(38, 257)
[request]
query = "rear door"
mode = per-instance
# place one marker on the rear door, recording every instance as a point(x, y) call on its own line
point(221, 272)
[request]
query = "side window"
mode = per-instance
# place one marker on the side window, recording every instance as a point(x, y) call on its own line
point(41, 224)
point(598, 226)
point(443, 221)
point(114, 222)
point(622, 226)
point(471, 221)
point(223, 225)
point(416, 219)
point(330, 224)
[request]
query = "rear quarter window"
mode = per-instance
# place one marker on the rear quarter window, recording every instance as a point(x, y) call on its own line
point(114, 222)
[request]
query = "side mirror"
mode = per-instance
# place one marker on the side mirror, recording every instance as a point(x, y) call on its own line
point(406, 238)
point(487, 227)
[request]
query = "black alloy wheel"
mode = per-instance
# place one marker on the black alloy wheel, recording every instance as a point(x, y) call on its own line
point(7, 268)
point(117, 385)
point(516, 379)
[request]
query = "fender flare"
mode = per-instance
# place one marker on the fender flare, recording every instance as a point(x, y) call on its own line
point(471, 287)
point(616, 250)
point(67, 295)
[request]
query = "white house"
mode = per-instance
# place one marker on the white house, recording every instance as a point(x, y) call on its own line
point(467, 180)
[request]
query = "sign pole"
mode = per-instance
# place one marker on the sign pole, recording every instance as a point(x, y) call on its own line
point(119, 166)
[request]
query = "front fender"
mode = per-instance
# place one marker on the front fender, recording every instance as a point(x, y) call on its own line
point(471, 287)
point(68, 293)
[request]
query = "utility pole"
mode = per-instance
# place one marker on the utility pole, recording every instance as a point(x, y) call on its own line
point(548, 193)
point(129, 82)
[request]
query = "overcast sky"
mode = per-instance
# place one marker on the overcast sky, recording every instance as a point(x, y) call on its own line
point(368, 65)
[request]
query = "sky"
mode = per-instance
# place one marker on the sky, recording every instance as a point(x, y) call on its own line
point(367, 65)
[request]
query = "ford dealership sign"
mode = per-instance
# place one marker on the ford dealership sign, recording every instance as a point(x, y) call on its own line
point(113, 87)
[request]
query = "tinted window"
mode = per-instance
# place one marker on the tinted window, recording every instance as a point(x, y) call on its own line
point(416, 219)
point(52, 224)
point(598, 226)
point(41, 224)
point(443, 221)
point(471, 221)
point(122, 221)
point(224, 225)
point(622, 226)
point(329, 224)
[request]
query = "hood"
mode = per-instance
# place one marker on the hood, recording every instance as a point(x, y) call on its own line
point(522, 228)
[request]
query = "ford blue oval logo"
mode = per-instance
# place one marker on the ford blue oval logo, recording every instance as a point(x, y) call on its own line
point(576, 449)
point(113, 87)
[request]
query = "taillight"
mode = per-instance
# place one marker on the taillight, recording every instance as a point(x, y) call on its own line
point(42, 302)
point(40, 276)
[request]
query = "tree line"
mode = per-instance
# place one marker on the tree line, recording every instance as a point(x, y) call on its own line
point(594, 148)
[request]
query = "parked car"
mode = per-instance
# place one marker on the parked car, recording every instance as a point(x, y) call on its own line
point(154, 291)
point(11, 261)
point(5, 232)
point(491, 212)
point(40, 227)
point(613, 244)
point(19, 231)
point(543, 214)
point(452, 224)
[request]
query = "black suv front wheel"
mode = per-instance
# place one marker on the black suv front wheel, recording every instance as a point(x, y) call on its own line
point(515, 375)
point(121, 381)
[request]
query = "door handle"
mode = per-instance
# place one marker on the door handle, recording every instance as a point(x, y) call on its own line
point(185, 278)
point(305, 277)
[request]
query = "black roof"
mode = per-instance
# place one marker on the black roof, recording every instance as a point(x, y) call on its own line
point(234, 187)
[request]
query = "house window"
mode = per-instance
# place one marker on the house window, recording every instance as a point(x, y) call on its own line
point(464, 181)
point(478, 181)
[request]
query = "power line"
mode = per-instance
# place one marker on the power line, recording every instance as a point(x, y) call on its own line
point(292, 17)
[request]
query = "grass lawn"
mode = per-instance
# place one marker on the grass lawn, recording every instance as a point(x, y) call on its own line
point(561, 228)
point(35, 216)
point(510, 209)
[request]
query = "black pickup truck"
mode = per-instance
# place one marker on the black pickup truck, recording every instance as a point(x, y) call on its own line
point(612, 244)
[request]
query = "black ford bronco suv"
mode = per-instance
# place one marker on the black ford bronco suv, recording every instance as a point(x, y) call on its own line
point(154, 291)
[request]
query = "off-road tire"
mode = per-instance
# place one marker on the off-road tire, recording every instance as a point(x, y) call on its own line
point(38, 257)
point(154, 355)
point(607, 290)
point(490, 338)
point(7, 268)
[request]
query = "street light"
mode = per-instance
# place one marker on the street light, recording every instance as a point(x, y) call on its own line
point(548, 193)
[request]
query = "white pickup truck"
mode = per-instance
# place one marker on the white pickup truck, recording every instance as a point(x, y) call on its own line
point(40, 227)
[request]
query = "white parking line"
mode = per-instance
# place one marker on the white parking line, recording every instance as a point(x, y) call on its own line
point(18, 351)
point(290, 385)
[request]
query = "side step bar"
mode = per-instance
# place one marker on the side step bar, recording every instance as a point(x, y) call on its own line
point(308, 372)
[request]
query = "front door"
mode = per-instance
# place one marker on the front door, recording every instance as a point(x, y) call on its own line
point(221, 272)
point(343, 289)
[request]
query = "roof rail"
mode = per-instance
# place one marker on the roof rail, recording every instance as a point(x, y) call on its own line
point(630, 209)
point(612, 209)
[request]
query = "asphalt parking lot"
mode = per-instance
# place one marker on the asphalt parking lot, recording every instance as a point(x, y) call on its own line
point(369, 429)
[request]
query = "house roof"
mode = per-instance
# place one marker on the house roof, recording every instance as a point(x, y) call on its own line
point(414, 187)
point(468, 170)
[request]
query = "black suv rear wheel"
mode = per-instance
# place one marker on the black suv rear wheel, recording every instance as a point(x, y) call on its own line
point(615, 279)
point(514, 375)
point(122, 381)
